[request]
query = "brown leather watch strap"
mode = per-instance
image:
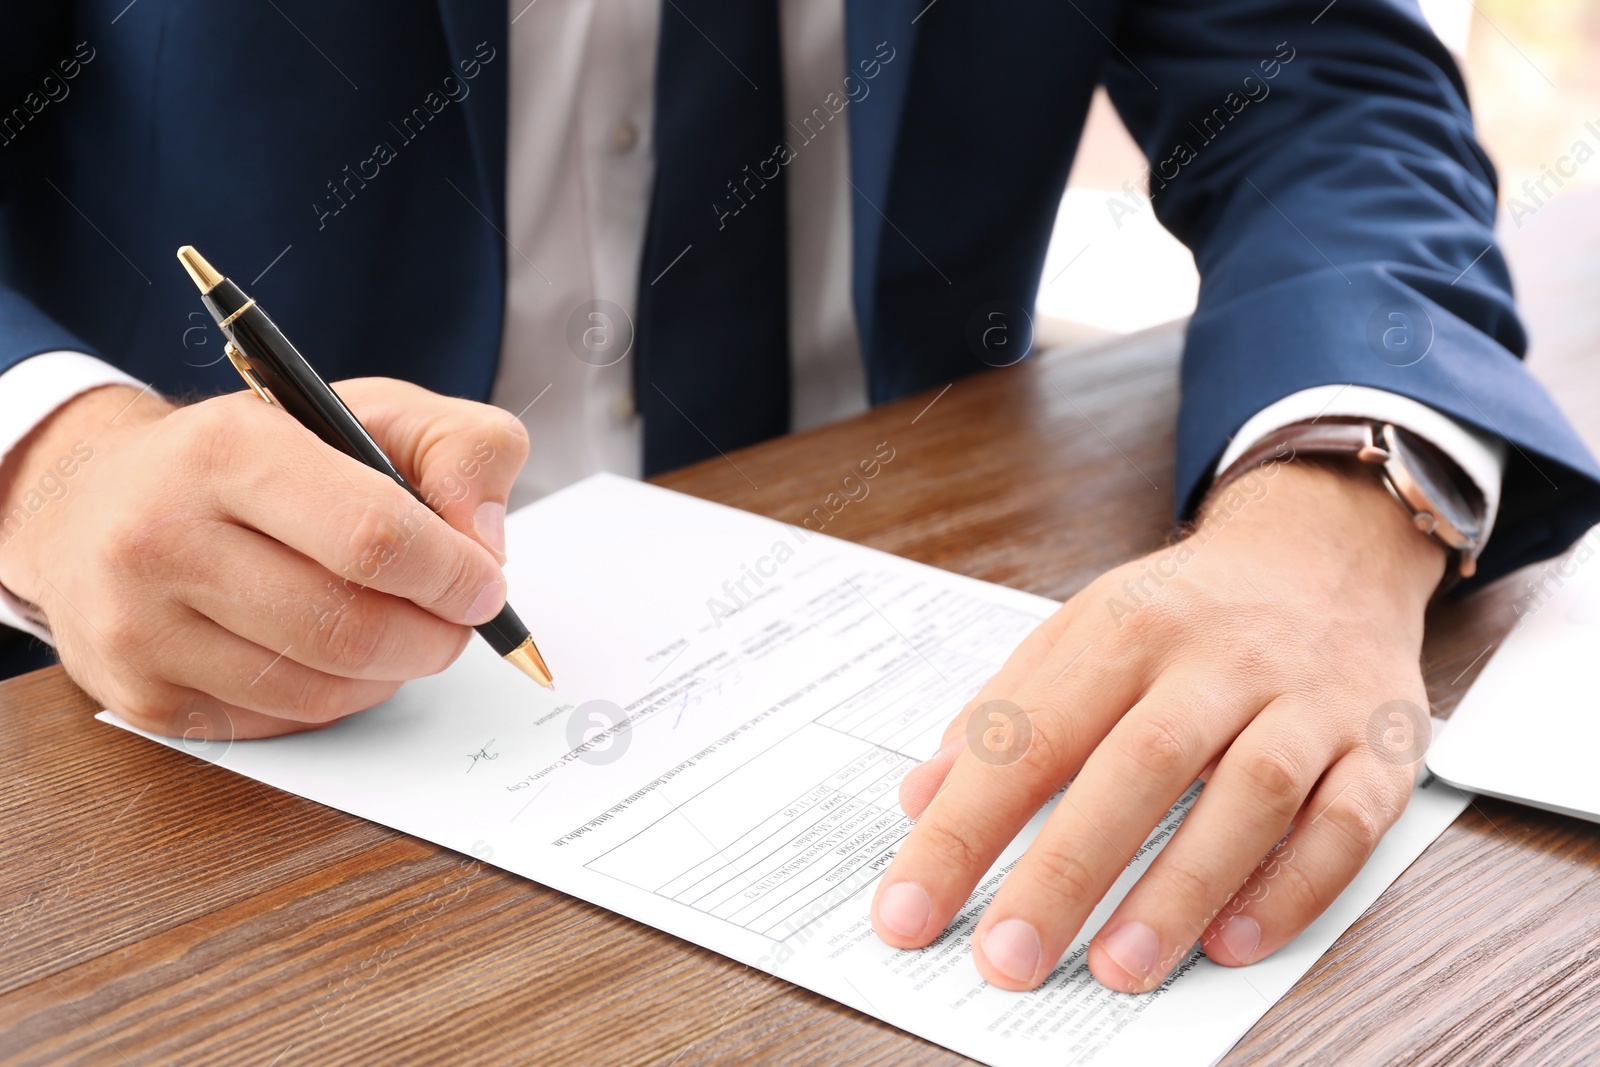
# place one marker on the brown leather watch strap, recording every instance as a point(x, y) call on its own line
point(1325, 437)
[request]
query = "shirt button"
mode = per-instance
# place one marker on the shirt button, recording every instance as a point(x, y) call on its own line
point(625, 409)
point(624, 135)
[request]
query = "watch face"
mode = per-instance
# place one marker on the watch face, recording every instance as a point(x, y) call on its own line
point(1441, 491)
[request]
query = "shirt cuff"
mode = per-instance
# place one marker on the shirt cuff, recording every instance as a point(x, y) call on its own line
point(1480, 456)
point(30, 392)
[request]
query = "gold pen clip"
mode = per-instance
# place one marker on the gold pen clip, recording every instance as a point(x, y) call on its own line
point(236, 357)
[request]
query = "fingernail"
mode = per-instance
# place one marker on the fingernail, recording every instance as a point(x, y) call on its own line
point(904, 909)
point(488, 604)
point(1012, 948)
point(1134, 947)
point(1242, 935)
point(490, 522)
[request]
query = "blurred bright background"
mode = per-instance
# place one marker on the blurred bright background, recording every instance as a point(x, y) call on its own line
point(1533, 72)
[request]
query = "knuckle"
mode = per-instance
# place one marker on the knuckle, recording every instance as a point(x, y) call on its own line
point(172, 711)
point(322, 698)
point(354, 637)
point(461, 583)
point(376, 541)
point(1187, 602)
point(1297, 883)
point(190, 428)
point(1160, 746)
point(129, 633)
point(1252, 652)
point(143, 542)
point(1254, 890)
point(951, 846)
point(1274, 776)
point(148, 707)
point(1187, 884)
point(1049, 744)
point(204, 437)
point(1356, 820)
point(1144, 622)
point(1063, 873)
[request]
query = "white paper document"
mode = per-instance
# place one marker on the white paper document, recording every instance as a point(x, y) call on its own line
point(737, 702)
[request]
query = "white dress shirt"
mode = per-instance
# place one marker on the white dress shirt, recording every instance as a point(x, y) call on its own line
point(579, 171)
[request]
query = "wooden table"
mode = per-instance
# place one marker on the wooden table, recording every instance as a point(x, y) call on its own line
point(154, 909)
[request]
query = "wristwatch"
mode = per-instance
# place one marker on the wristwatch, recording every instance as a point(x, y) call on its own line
point(1440, 499)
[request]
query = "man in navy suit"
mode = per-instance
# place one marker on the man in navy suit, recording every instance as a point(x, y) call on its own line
point(659, 232)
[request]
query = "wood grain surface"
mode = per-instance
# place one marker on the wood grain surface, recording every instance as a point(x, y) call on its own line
point(154, 909)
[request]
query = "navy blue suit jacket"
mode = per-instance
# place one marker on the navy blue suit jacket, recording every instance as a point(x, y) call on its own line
point(1323, 170)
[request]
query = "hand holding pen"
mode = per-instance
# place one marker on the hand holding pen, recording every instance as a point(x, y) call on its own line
point(277, 373)
point(214, 570)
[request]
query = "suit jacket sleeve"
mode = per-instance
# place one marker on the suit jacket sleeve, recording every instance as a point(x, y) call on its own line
point(37, 50)
point(1324, 172)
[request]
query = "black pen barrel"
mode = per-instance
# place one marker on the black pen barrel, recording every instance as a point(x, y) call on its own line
point(504, 632)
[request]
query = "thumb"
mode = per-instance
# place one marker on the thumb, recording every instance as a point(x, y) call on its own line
point(461, 455)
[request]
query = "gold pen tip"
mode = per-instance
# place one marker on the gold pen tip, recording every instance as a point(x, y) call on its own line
point(204, 274)
point(525, 657)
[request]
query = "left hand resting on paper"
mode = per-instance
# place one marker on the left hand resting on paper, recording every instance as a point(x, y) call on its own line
point(1256, 653)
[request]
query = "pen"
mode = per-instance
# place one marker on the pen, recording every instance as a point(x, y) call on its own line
point(277, 373)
